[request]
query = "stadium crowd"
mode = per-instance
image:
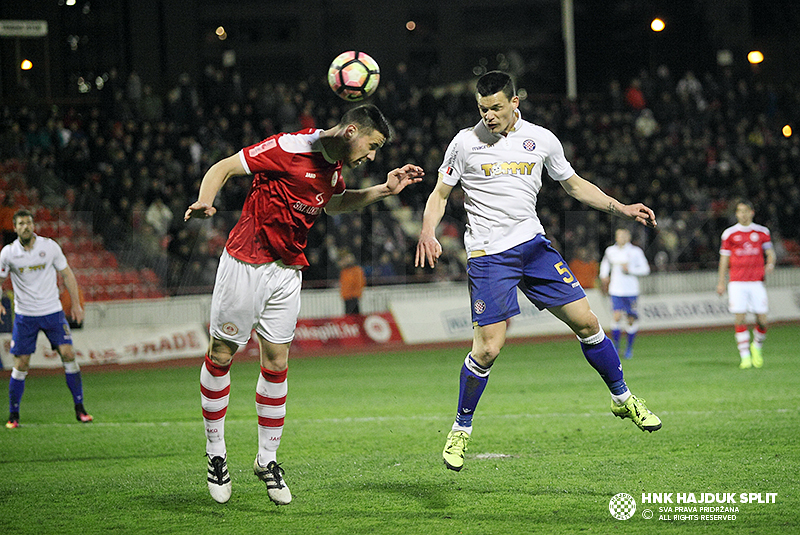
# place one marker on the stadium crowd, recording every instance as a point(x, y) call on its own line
point(130, 161)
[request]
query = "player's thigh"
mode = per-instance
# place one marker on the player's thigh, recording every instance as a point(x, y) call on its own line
point(758, 301)
point(235, 301)
point(493, 281)
point(280, 307)
point(578, 316)
point(56, 328)
point(24, 334)
point(737, 297)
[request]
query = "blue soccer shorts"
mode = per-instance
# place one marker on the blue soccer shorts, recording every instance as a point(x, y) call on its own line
point(626, 304)
point(534, 267)
point(26, 330)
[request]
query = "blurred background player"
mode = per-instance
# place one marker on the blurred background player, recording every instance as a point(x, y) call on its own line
point(742, 252)
point(622, 265)
point(499, 163)
point(33, 263)
point(295, 177)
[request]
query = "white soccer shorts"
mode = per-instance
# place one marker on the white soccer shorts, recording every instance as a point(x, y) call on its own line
point(264, 297)
point(747, 296)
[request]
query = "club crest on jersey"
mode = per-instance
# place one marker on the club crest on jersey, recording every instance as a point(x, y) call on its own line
point(754, 236)
point(479, 306)
point(529, 145)
point(335, 178)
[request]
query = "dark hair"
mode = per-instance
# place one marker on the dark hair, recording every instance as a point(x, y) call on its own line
point(495, 81)
point(370, 117)
point(744, 202)
point(21, 213)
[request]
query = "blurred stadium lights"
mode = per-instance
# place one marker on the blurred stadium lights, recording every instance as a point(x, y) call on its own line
point(657, 25)
point(755, 57)
point(26, 65)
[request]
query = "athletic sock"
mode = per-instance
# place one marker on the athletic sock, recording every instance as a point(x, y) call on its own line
point(743, 341)
point(271, 393)
point(631, 331)
point(215, 386)
point(759, 335)
point(72, 372)
point(472, 382)
point(16, 387)
point(616, 333)
point(603, 357)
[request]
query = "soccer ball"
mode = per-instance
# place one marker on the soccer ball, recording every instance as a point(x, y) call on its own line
point(354, 75)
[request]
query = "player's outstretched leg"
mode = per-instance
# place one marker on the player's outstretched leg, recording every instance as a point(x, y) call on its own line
point(600, 353)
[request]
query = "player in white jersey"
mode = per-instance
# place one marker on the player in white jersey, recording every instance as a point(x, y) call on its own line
point(32, 262)
point(622, 265)
point(499, 164)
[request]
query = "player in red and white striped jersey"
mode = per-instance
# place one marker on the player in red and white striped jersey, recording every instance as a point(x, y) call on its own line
point(742, 252)
point(295, 177)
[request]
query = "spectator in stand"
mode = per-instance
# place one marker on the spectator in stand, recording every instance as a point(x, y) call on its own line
point(585, 268)
point(744, 246)
point(351, 283)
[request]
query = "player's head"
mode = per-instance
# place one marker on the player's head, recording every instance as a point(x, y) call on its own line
point(365, 130)
point(23, 225)
point(622, 236)
point(497, 101)
point(744, 212)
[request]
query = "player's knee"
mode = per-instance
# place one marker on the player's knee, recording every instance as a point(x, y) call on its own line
point(220, 352)
point(486, 354)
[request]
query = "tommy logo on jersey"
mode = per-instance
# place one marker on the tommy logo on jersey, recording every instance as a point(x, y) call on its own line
point(501, 168)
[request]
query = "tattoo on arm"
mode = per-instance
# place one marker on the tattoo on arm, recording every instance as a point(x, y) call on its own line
point(612, 209)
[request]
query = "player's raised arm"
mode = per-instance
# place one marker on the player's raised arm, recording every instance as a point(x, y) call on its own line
point(214, 179)
point(396, 181)
point(590, 195)
point(428, 247)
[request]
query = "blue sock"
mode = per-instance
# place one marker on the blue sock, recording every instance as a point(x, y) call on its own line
point(615, 335)
point(75, 386)
point(604, 358)
point(631, 338)
point(473, 381)
point(16, 387)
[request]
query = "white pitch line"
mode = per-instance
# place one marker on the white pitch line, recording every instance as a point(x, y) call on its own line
point(394, 418)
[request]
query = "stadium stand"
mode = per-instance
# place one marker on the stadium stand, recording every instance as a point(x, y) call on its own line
point(128, 166)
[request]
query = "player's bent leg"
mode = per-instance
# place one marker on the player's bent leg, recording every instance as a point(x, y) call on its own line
point(603, 357)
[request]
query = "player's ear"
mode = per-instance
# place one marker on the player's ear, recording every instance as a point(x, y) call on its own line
point(350, 131)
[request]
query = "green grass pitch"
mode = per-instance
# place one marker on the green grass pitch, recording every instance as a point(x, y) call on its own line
point(363, 439)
